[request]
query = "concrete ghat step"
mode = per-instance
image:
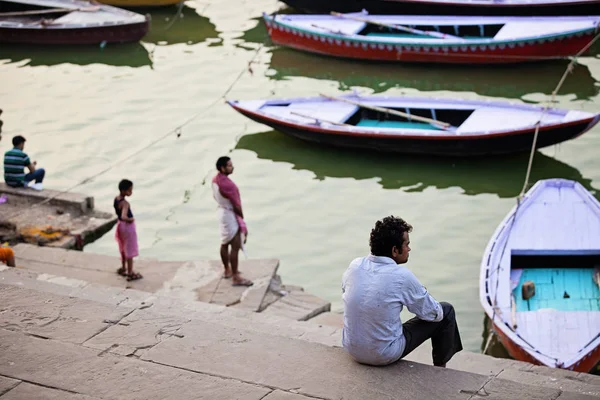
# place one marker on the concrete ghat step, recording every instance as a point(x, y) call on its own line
point(516, 371)
point(164, 313)
point(176, 307)
point(78, 346)
point(189, 280)
point(74, 369)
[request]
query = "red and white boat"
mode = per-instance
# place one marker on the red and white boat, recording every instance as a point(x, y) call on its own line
point(435, 39)
point(452, 7)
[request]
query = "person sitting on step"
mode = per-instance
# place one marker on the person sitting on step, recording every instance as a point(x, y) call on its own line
point(376, 288)
point(15, 161)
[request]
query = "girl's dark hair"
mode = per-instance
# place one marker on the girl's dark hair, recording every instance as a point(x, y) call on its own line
point(125, 184)
point(387, 233)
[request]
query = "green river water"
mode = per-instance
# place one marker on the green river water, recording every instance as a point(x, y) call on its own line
point(83, 109)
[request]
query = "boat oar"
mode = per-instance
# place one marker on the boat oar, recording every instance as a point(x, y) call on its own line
point(443, 125)
point(398, 27)
point(49, 11)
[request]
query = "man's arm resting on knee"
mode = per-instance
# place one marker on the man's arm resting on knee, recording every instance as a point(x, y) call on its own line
point(419, 302)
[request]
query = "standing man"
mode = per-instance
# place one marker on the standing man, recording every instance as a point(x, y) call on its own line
point(231, 221)
point(15, 161)
point(376, 288)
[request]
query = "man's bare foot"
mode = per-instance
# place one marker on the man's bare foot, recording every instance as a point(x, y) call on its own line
point(227, 274)
point(239, 281)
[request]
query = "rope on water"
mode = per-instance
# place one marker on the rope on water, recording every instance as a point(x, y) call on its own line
point(568, 70)
point(177, 131)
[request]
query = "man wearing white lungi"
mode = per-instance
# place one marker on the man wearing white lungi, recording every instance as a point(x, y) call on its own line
point(231, 221)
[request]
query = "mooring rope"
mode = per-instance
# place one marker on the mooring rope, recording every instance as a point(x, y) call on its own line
point(568, 70)
point(177, 130)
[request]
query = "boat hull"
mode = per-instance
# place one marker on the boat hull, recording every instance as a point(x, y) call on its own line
point(513, 142)
point(587, 364)
point(534, 50)
point(436, 8)
point(140, 3)
point(93, 35)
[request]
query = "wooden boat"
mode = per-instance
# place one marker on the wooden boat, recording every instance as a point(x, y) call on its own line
point(418, 125)
point(552, 240)
point(140, 3)
point(437, 39)
point(452, 7)
point(68, 22)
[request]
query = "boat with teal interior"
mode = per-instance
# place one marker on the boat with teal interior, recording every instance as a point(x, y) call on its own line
point(540, 277)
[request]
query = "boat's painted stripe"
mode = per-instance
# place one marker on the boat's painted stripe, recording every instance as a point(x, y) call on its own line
point(473, 45)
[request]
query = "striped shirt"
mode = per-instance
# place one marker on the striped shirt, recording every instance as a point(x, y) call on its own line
point(15, 162)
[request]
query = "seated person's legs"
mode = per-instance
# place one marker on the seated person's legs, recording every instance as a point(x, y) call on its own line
point(37, 175)
point(444, 335)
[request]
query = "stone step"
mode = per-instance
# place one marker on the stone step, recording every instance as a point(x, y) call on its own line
point(298, 305)
point(53, 219)
point(80, 346)
point(162, 314)
point(516, 371)
point(78, 290)
point(189, 280)
point(72, 368)
point(330, 319)
point(78, 201)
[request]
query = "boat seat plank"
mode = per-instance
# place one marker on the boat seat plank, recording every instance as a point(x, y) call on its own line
point(515, 29)
point(328, 111)
point(488, 118)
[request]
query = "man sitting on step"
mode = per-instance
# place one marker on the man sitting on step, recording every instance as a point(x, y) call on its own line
point(376, 288)
point(15, 161)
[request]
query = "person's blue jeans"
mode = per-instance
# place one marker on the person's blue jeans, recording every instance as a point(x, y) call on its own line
point(37, 175)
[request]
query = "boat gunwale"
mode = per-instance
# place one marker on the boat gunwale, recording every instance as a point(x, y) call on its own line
point(436, 135)
point(442, 43)
point(486, 4)
point(500, 238)
point(126, 17)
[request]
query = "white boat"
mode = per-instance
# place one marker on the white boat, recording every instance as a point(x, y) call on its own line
point(418, 125)
point(550, 242)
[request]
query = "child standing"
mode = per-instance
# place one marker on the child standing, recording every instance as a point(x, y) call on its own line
point(125, 233)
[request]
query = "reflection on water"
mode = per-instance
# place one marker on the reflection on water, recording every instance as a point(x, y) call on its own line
point(172, 25)
point(126, 54)
point(501, 176)
point(497, 349)
point(509, 81)
point(188, 27)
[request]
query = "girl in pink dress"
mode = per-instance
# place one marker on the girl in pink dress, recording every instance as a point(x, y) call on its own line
point(125, 233)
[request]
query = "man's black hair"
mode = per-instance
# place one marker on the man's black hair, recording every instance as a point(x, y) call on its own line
point(17, 140)
point(387, 233)
point(222, 162)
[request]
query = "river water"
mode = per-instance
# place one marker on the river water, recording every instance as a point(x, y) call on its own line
point(84, 109)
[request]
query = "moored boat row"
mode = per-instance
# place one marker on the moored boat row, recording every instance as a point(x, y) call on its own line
point(540, 273)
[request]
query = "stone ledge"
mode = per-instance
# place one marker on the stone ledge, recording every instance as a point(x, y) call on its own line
point(78, 201)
